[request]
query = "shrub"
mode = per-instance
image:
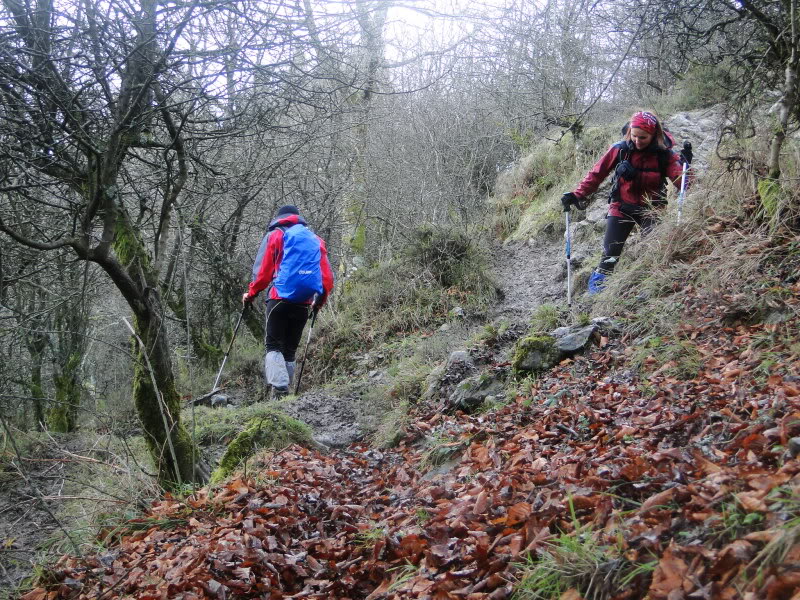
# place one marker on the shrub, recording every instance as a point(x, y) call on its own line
point(436, 271)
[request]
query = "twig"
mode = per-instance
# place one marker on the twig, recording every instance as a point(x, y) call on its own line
point(85, 498)
point(634, 38)
point(78, 456)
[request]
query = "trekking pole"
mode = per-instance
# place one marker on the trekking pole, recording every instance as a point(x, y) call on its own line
point(682, 195)
point(569, 265)
point(225, 358)
point(305, 352)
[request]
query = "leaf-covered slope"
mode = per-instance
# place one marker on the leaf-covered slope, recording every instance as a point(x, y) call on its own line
point(687, 485)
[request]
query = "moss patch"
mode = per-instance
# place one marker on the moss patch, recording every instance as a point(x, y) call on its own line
point(272, 430)
point(534, 354)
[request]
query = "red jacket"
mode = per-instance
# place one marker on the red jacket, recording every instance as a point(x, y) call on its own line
point(270, 253)
point(643, 188)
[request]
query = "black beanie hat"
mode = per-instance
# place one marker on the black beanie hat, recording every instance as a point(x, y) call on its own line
point(289, 209)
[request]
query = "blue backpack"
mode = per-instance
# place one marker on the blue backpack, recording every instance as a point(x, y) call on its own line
point(299, 276)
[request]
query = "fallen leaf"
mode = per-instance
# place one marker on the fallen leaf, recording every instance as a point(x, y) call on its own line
point(481, 503)
point(668, 576)
point(518, 513)
point(658, 499)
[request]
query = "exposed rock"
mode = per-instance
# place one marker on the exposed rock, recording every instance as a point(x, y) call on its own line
point(442, 379)
point(471, 393)
point(794, 447)
point(219, 400)
point(575, 341)
point(608, 326)
point(597, 211)
point(441, 469)
point(459, 359)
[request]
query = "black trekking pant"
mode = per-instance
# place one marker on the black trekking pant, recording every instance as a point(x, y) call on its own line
point(617, 231)
point(285, 322)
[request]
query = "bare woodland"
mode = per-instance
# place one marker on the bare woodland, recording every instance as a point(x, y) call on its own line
point(144, 146)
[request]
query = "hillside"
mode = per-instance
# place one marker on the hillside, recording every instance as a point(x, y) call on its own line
point(661, 464)
point(615, 484)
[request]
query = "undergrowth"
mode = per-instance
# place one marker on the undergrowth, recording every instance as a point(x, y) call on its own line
point(270, 430)
point(526, 201)
point(579, 560)
point(438, 270)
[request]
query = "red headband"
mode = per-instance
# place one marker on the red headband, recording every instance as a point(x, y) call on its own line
point(646, 121)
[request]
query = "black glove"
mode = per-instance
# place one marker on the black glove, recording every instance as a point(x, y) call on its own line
point(686, 153)
point(317, 303)
point(571, 199)
point(626, 170)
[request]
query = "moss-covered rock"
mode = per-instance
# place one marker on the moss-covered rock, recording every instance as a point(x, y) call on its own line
point(273, 430)
point(535, 354)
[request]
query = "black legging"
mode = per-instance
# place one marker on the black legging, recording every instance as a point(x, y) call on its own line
point(617, 231)
point(285, 322)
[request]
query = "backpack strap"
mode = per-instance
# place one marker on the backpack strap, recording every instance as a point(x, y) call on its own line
point(664, 156)
point(623, 153)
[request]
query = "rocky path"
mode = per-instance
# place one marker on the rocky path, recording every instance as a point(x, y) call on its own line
point(529, 274)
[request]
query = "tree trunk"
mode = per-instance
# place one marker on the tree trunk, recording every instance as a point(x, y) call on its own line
point(785, 106)
point(154, 394)
point(37, 391)
point(157, 401)
point(372, 20)
point(36, 343)
point(63, 416)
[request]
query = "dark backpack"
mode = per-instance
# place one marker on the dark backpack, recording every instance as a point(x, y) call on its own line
point(624, 149)
point(299, 276)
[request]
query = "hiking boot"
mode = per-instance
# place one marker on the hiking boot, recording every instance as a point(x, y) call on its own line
point(276, 393)
point(597, 282)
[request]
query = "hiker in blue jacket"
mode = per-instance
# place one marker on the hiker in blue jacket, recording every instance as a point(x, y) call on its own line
point(293, 262)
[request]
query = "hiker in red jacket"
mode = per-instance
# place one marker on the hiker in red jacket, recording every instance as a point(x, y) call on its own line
point(293, 262)
point(642, 164)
